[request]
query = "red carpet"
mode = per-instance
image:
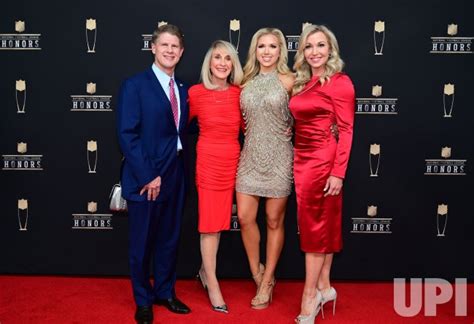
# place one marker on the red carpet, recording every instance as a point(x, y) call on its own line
point(40, 299)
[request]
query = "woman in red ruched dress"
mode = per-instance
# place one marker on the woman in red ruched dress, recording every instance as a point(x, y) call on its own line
point(323, 109)
point(215, 104)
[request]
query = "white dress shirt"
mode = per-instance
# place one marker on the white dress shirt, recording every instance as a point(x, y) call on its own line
point(164, 80)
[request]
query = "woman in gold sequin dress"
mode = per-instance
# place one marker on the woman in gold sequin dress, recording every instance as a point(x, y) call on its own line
point(266, 161)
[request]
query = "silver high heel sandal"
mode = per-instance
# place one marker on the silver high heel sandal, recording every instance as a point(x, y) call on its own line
point(309, 319)
point(329, 295)
point(202, 276)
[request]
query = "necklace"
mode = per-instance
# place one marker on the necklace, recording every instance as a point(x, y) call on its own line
point(220, 90)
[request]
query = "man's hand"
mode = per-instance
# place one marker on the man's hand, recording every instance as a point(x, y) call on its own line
point(152, 189)
point(333, 186)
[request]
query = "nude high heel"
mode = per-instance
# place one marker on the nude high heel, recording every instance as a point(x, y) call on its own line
point(309, 319)
point(329, 295)
point(263, 299)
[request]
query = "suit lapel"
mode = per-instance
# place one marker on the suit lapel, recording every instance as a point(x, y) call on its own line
point(160, 92)
point(183, 105)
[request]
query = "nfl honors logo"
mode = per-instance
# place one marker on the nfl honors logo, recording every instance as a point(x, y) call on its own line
point(91, 102)
point(146, 38)
point(20, 40)
point(377, 105)
point(371, 224)
point(292, 41)
point(445, 166)
point(92, 221)
point(22, 161)
point(451, 44)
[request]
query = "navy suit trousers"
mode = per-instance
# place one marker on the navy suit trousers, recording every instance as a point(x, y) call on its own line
point(154, 229)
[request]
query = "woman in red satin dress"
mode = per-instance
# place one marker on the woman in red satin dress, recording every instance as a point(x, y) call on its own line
point(323, 108)
point(215, 104)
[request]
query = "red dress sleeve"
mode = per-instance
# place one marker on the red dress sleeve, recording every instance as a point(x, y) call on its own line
point(343, 100)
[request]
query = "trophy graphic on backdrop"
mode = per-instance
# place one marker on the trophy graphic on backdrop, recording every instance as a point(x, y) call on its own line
point(305, 24)
point(379, 37)
point(162, 23)
point(20, 88)
point(91, 28)
point(374, 159)
point(442, 219)
point(92, 156)
point(22, 214)
point(448, 93)
point(234, 28)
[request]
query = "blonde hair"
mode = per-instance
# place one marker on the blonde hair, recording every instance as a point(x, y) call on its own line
point(252, 66)
point(235, 76)
point(301, 66)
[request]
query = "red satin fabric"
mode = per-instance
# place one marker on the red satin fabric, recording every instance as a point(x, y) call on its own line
point(218, 151)
point(318, 155)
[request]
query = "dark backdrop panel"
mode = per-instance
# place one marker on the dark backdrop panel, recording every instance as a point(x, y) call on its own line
point(405, 197)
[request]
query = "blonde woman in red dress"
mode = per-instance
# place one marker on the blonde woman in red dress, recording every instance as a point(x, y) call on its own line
point(215, 104)
point(323, 108)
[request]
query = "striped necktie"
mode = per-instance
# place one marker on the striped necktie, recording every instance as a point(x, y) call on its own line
point(174, 103)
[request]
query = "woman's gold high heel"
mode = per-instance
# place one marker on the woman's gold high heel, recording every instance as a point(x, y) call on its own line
point(263, 299)
point(259, 276)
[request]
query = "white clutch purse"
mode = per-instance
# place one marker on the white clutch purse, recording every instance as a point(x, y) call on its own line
point(117, 203)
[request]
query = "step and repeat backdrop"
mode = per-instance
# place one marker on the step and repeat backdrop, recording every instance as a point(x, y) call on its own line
point(407, 201)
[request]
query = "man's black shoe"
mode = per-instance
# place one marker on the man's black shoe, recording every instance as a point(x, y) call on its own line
point(174, 305)
point(144, 315)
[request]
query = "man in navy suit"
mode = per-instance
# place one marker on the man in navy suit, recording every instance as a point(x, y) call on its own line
point(152, 117)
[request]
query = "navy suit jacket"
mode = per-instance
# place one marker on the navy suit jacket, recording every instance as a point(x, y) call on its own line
point(148, 136)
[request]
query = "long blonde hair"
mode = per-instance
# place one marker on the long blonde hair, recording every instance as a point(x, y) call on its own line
point(301, 66)
point(235, 76)
point(252, 66)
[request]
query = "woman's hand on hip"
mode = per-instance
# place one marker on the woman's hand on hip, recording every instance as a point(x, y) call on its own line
point(333, 186)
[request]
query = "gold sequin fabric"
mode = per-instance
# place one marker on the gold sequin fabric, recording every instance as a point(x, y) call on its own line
point(266, 161)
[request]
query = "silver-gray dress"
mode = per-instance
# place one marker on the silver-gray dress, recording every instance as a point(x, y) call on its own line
point(266, 161)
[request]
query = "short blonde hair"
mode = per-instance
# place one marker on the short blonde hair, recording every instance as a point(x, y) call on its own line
point(170, 29)
point(235, 76)
point(252, 66)
point(301, 66)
